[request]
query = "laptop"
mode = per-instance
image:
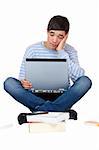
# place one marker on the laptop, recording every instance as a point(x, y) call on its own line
point(47, 75)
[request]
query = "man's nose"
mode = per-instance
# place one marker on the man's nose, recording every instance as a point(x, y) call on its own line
point(55, 39)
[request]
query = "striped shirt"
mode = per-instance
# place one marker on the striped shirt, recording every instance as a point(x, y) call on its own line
point(38, 50)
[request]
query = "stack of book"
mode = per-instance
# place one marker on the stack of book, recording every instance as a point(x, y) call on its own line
point(47, 122)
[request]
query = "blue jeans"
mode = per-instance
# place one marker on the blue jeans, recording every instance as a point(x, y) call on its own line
point(35, 103)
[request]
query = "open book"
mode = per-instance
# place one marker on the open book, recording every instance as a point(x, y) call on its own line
point(48, 117)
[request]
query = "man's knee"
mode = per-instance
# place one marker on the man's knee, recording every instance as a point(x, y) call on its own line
point(86, 81)
point(8, 82)
point(82, 84)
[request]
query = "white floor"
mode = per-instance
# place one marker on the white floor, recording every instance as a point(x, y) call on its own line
point(78, 135)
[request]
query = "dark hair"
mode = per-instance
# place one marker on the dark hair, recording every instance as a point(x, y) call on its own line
point(58, 23)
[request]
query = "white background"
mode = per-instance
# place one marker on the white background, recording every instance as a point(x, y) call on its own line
point(24, 22)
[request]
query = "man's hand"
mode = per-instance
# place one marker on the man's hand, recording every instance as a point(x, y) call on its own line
point(62, 43)
point(26, 84)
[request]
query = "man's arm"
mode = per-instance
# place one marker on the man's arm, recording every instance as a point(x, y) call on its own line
point(75, 71)
point(22, 67)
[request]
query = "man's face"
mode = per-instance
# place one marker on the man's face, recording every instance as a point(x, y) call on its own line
point(54, 37)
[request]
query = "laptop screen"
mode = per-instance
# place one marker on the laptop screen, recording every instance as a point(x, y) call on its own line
point(47, 74)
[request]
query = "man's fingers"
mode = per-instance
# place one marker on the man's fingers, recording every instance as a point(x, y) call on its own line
point(62, 43)
point(26, 84)
point(27, 87)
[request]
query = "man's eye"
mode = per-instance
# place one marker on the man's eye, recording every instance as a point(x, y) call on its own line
point(51, 34)
point(61, 37)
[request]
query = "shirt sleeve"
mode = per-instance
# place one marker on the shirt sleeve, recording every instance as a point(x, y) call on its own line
point(22, 67)
point(74, 69)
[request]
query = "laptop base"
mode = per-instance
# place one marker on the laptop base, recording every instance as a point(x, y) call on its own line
point(48, 96)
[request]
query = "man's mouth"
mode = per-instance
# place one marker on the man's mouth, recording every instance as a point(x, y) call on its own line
point(53, 45)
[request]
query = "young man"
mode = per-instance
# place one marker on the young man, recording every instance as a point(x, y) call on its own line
point(54, 47)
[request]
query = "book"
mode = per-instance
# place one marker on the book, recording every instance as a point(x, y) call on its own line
point(41, 127)
point(47, 122)
point(48, 117)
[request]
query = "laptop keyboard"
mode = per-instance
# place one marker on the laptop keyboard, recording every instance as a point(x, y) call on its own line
point(48, 91)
